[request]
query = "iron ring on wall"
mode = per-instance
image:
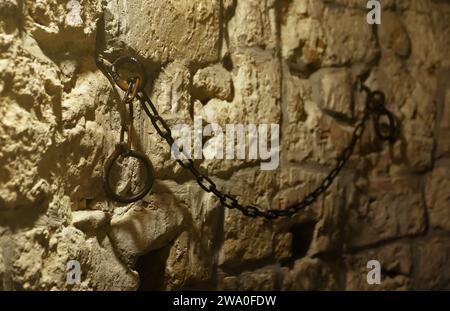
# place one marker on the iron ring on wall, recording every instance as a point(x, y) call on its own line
point(122, 150)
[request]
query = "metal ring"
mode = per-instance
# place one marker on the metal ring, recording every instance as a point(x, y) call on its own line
point(132, 90)
point(118, 63)
point(391, 135)
point(122, 150)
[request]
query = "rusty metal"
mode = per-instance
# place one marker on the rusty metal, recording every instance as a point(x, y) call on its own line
point(375, 107)
point(384, 131)
point(130, 95)
point(119, 64)
point(122, 150)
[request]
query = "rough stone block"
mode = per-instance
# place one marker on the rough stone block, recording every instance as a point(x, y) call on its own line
point(390, 209)
point(437, 195)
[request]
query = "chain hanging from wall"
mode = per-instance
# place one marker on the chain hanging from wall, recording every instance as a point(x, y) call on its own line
point(133, 89)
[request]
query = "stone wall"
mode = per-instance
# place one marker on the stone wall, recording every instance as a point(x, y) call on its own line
point(291, 62)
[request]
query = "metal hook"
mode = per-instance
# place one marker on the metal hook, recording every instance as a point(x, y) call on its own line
point(376, 101)
point(123, 150)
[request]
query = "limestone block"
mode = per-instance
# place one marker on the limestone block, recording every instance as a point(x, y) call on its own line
point(358, 280)
point(276, 189)
point(395, 262)
point(360, 47)
point(316, 136)
point(283, 246)
point(64, 25)
point(394, 36)
point(309, 274)
point(89, 220)
point(256, 83)
point(423, 54)
point(443, 143)
point(171, 94)
point(141, 228)
point(257, 92)
point(213, 82)
point(332, 91)
point(253, 24)
point(206, 213)
point(247, 239)
point(258, 280)
point(390, 209)
point(326, 239)
point(166, 31)
point(100, 268)
point(188, 263)
point(244, 241)
point(441, 22)
point(437, 196)
point(190, 259)
point(302, 38)
point(172, 91)
point(395, 258)
point(297, 95)
point(106, 271)
point(419, 130)
point(431, 273)
point(26, 137)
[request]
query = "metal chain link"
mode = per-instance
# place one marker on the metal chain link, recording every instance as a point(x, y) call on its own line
point(374, 106)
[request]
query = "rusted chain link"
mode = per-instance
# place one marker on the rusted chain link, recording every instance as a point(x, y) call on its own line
point(124, 149)
point(374, 107)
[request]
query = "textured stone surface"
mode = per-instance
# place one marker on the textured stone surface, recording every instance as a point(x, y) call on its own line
point(89, 220)
point(389, 210)
point(396, 267)
point(262, 279)
point(443, 143)
point(50, 253)
point(291, 62)
point(145, 228)
point(333, 91)
point(309, 274)
point(188, 263)
point(184, 29)
point(432, 273)
point(438, 198)
point(213, 82)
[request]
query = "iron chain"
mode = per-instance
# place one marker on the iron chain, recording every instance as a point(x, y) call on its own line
point(374, 106)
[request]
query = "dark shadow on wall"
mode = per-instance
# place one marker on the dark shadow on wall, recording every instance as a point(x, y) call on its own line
point(151, 268)
point(302, 235)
